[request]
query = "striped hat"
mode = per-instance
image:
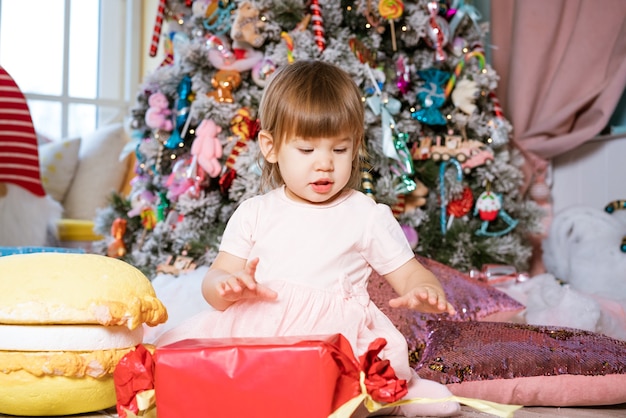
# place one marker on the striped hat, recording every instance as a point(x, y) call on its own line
point(19, 156)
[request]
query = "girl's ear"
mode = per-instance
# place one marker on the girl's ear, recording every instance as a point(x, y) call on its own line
point(266, 143)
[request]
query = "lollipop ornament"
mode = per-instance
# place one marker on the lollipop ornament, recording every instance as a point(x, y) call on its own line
point(391, 10)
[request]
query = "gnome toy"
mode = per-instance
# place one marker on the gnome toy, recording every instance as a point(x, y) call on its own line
point(28, 215)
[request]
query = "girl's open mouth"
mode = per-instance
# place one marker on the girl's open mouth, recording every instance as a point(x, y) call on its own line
point(322, 186)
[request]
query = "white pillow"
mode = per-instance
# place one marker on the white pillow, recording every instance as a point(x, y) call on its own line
point(58, 161)
point(100, 172)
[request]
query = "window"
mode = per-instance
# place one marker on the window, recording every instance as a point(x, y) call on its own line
point(77, 61)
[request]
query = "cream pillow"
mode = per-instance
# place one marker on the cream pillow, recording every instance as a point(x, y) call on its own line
point(100, 172)
point(58, 161)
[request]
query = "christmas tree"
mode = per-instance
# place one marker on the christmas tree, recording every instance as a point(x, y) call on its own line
point(437, 145)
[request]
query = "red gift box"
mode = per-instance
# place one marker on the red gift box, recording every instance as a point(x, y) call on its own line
point(307, 377)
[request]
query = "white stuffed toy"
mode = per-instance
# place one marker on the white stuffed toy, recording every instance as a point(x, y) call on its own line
point(28, 215)
point(585, 283)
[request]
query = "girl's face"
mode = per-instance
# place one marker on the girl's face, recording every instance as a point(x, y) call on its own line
point(314, 170)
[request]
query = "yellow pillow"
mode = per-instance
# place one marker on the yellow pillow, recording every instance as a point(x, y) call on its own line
point(58, 161)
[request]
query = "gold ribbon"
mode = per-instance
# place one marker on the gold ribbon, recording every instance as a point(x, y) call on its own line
point(146, 405)
point(348, 408)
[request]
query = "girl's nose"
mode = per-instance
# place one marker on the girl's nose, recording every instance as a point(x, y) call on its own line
point(324, 162)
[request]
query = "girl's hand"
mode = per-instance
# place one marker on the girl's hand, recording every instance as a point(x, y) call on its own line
point(243, 285)
point(425, 299)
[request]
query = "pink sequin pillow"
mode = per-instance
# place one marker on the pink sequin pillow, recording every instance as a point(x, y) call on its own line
point(473, 300)
point(525, 364)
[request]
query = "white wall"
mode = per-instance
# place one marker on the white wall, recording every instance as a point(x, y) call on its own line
point(593, 174)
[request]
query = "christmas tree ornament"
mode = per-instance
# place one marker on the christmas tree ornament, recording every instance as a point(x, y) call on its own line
point(142, 205)
point(431, 96)
point(159, 112)
point(437, 31)
point(364, 55)
point(217, 19)
point(442, 190)
point(499, 133)
point(367, 180)
point(202, 9)
point(176, 265)
point(304, 23)
point(403, 74)
point(417, 198)
point(181, 179)
point(458, 69)
point(117, 248)
point(247, 26)
point(403, 167)
point(241, 58)
point(488, 205)
point(156, 30)
point(372, 18)
point(207, 147)
point(223, 56)
point(488, 208)
point(459, 46)
point(411, 235)
point(175, 45)
point(243, 125)
point(391, 10)
point(385, 106)
point(318, 25)
point(262, 71)
point(224, 82)
point(457, 208)
point(183, 104)
point(245, 34)
point(246, 128)
point(464, 95)
point(289, 44)
point(162, 206)
point(498, 274)
point(168, 52)
point(399, 206)
point(462, 11)
point(377, 78)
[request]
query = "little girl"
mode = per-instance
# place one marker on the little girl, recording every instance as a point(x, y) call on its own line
point(296, 261)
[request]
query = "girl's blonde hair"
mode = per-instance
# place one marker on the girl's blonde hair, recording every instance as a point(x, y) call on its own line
point(311, 99)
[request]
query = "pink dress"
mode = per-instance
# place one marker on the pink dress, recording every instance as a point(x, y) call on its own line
point(318, 259)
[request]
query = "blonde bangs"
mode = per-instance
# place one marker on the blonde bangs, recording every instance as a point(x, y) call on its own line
point(312, 105)
point(319, 102)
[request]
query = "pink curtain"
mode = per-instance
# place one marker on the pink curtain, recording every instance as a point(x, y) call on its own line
point(562, 67)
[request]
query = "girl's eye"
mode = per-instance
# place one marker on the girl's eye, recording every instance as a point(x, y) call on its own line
point(306, 150)
point(341, 150)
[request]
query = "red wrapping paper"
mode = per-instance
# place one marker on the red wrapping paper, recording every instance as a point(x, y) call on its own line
point(133, 375)
point(307, 377)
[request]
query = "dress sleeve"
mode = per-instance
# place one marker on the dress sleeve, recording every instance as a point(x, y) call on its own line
point(386, 247)
point(238, 235)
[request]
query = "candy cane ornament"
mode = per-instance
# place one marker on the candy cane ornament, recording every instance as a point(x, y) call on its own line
point(437, 32)
point(459, 69)
point(246, 128)
point(289, 43)
point(318, 25)
point(156, 31)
